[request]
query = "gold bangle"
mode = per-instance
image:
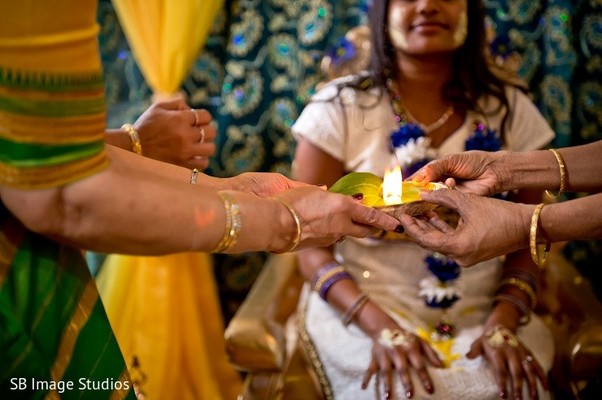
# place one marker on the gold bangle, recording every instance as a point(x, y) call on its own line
point(562, 168)
point(233, 224)
point(297, 219)
point(136, 145)
point(355, 307)
point(195, 172)
point(523, 286)
point(539, 252)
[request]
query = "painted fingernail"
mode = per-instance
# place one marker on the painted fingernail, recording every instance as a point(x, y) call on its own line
point(399, 229)
point(429, 388)
point(517, 397)
point(409, 394)
point(387, 395)
point(502, 394)
point(358, 196)
point(364, 385)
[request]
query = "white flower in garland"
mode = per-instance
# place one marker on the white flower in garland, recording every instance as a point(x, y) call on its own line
point(437, 293)
point(415, 150)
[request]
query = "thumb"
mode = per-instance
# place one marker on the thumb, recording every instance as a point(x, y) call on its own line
point(449, 198)
point(431, 172)
point(475, 350)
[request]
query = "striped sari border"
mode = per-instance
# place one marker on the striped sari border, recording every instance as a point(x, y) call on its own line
point(50, 177)
point(80, 317)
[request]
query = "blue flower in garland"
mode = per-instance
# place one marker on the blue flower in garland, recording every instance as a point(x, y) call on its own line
point(343, 50)
point(443, 268)
point(483, 139)
point(405, 133)
point(501, 46)
point(364, 5)
point(415, 167)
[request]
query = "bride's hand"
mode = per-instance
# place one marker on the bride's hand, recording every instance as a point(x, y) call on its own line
point(397, 350)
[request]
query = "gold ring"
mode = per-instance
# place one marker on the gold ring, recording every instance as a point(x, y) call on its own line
point(527, 360)
point(396, 337)
point(500, 336)
point(196, 117)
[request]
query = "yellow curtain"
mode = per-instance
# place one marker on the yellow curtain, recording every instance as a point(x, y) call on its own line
point(165, 37)
point(165, 313)
point(165, 310)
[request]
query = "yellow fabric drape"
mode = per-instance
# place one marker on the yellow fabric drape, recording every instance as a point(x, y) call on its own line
point(164, 312)
point(165, 37)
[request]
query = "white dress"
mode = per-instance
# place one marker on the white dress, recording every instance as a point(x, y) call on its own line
point(354, 127)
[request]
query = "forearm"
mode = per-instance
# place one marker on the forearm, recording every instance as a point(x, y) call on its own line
point(572, 220)
point(343, 293)
point(584, 167)
point(166, 170)
point(540, 170)
point(108, 212)
point(118, 138)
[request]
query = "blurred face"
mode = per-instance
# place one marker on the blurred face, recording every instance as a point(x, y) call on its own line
point(427, 26)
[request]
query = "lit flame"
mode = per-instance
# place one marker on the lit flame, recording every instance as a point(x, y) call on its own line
point(392, 185)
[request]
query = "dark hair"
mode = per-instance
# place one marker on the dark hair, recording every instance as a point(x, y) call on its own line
point(472, 73)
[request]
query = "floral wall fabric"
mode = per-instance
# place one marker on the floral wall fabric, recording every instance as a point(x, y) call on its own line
point(261, 63)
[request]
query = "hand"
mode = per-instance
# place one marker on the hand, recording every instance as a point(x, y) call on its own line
point(328, 217)
point(472, 172)
point(511, 361)
point(396, 349)
point(264, 184)
point(170, 132)
point(474, 239)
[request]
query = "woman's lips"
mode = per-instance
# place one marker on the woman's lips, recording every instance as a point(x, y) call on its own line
point(429, 27)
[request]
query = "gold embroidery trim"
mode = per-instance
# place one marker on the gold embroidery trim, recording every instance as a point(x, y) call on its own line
point(312, 353)
point(7, 252)
point(56, 38)
point(122, 394)
point(65, 130)
point(52, 395)
point(48, 177)
point(79, 318)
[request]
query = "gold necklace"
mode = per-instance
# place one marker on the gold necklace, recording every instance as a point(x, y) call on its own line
point(402, 114)
point(435, 125)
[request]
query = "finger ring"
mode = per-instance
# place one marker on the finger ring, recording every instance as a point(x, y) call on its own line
point(500, 336)
point(396, 337)
point(342, 239)
point(527, 360)
point(196, 117)
point(202, 132)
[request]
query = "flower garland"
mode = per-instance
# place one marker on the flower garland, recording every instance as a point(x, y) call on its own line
point(413, 150)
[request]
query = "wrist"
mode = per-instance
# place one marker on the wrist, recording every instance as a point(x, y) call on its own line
point(511, 169)
point(505, 315)
point(525, 214)
point(290, 233)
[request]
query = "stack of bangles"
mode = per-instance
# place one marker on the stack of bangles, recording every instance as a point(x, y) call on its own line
point(326, 277)
point(233, 224)
point(526, 283)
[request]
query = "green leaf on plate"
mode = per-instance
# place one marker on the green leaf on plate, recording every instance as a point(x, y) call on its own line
point(366, 183)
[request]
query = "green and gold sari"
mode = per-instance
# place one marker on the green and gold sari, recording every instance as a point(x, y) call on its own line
point(55, 339)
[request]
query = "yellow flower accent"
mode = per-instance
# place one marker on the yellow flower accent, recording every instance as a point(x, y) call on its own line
point(443, 347)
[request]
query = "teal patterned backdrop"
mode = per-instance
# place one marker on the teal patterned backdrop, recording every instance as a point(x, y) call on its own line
point(260, 65)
